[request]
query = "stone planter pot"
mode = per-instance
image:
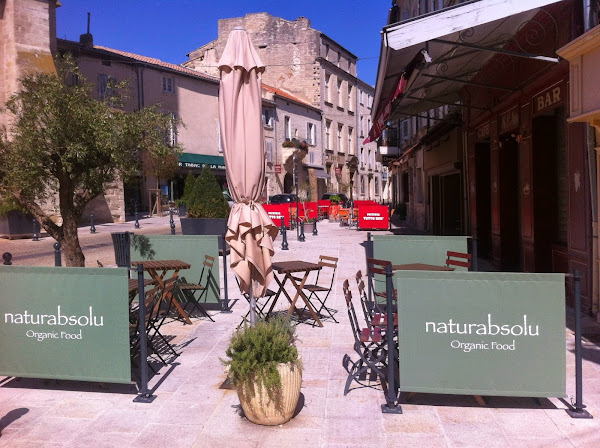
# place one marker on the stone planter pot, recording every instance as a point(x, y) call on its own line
point(16, 224)
point(204, 226)
point(261, 410)
point(308, 228)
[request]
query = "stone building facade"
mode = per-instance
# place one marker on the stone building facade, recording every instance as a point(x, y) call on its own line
point(187, 95)
point(311, 66)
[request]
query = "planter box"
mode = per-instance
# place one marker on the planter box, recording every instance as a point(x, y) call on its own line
point(16, 224)
point(204, 226)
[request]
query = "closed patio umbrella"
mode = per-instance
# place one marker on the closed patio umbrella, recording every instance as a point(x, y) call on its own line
point(250, 231)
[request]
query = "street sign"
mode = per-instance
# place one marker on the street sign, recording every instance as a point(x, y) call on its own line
point(338, 171)
point(277, 169)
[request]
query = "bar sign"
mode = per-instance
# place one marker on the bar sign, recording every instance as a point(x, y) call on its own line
point(277, 169)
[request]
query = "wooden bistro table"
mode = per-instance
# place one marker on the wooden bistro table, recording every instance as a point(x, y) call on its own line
point(158, 271)
point(288, 268)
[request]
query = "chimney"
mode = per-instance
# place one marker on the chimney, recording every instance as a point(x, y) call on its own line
point(87, 40)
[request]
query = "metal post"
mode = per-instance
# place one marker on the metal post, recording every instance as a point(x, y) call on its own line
point(92, 226)
point(315, 233)
point(391, 406)
point(137, 222)
point(225, 308)
point(144, 396)
point(301, 237)
point(171, 222)
point(579, 411)
point(284, 243)
point(57, 260)
point(295, 173)
point(7, 256)
point(474, 250)
point(36, 235)
point(369, 275)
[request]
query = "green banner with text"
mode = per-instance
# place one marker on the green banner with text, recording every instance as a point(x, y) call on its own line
point(482, 333)
point(65, 323)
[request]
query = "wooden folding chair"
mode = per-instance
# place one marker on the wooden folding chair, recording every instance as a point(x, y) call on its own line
point(370, 347)
point(458, 259)
point(320, 292)
point(378, 267)
point(187, 290)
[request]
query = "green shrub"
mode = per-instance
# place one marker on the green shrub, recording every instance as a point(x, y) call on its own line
point(254, 353)
point(205, 198)
point(335, 199)
point(9, 204)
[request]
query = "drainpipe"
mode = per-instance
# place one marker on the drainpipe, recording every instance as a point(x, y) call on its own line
point(589, 21)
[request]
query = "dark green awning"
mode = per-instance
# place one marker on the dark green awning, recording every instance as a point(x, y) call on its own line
point(188, 160)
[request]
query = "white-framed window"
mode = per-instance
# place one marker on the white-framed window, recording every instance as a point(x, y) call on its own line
point(369, 124)
point(370, 160)
point(339, 93)
point(168, 86)
point(350, 105)
point(339, 137)
point(361, 97)
point(267, 117)
point(376, 186)
point(172, 130)
point(287, 126)
point(350, 140)
point(362, 127)
point(311, 134)
point(269, 150)
point(362, 157)
point(327, 86)
point(362, 185)
point(327, 134)
point(311, 157)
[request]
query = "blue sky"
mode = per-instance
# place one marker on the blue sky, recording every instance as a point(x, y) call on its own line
point(169, 29)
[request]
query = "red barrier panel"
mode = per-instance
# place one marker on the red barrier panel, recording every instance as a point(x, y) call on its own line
point(311, 210)
point(369, 202)
point(278, 211)
point(373, 217)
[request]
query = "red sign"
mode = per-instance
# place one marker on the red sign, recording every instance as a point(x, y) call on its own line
point(278, 211)
point(277, 169)
point(338, 171)
point(373, 217)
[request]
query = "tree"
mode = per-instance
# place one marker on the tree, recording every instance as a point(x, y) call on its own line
point(207, 198)
point(65, 146)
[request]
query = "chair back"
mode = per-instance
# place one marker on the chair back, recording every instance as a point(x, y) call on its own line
point(327, 262)
point(458, 259)
point(352, 316)
point(358, 276)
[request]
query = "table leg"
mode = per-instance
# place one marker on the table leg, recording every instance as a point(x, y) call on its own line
point(281, 288)
point(168, 292)
point(299, 293)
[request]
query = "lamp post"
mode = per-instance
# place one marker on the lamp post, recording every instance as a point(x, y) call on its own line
point(295, 174)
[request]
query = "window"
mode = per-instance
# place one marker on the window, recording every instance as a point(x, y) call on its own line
point(340, 130)
point(328, 134)
point(339, 93)
point(376, 186)
point(172, 130)
point(311, 134)
point(370, 160)
point(350, 142)
point(269, 150)
point(311, 157)
point(362, 127)
point(361, 97)
point(369, 124)
point(326, 51)
point(287, 126)
point(339, 59)
point(327, 92)
point(167, 84)
point(362, 157)
point(106, 87)
point(267, 117)
point(362, 185)
point(350, 105)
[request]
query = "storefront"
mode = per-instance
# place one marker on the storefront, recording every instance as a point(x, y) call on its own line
point(193, 164)
point(583, 55)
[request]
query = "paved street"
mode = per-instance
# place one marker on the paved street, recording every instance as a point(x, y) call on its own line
point(192, 411)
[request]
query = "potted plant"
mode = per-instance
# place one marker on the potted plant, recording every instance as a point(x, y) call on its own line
point(207, 209)
point(309, 222)
point(14, 221)
point(266, 370)
point(335, 206)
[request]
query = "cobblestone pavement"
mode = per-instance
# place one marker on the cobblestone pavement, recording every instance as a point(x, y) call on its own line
point(192, 411)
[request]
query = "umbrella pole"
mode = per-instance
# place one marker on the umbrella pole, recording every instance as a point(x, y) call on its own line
point(252, 299)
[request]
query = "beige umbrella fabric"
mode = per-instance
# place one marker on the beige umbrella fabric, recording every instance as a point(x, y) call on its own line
point(250, 231)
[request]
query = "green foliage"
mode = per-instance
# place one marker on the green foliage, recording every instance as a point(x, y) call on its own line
point(66, 145)
point(334, 198)
point(254, 353)
point(9, 204)
point(205, 198)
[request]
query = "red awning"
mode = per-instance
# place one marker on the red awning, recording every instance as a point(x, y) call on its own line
point(379, 125)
